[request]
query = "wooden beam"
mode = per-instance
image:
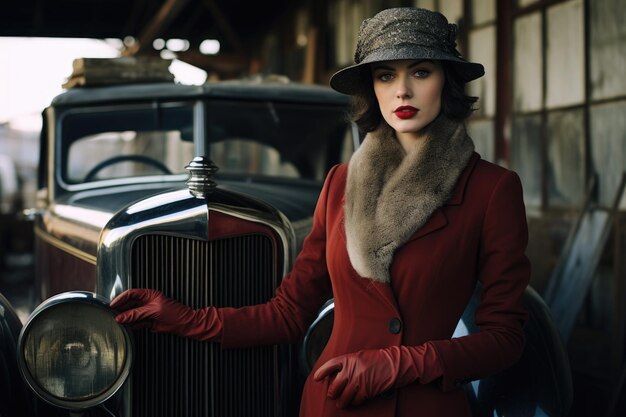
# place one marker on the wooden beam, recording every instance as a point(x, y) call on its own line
point(133, 12)
point(308, 76)
point(223, 25)
point(226, 65)
point(504, 93)
point(164, 17)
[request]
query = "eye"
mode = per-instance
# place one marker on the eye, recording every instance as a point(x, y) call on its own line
point(421, 73)
point(384, 76)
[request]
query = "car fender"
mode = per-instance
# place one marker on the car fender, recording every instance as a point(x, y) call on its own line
point(15, 400)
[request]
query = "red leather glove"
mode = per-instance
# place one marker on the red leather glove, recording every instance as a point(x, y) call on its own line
point(150, 308)
point(358, 376)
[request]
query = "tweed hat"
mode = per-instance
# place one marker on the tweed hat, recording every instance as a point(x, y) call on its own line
point(403, 33)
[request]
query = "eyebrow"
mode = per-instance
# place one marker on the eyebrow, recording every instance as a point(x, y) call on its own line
point(388, 68)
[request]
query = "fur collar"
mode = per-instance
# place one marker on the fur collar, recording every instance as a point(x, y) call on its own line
point(390, 194)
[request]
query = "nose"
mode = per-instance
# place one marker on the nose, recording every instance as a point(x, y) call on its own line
point(403, 88)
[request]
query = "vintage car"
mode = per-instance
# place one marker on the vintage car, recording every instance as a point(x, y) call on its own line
point(205, 193)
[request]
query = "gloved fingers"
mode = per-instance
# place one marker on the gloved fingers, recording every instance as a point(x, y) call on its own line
point(337, 385)
point(348, 394)
point(359, 398)
point(119, 302)
point(132, 298)
point(135, 315)
point(329, 368)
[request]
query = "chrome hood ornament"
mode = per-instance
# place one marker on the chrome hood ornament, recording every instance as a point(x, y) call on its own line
point(200, 182)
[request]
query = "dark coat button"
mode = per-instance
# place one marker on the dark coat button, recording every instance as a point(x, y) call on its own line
point(395, 325)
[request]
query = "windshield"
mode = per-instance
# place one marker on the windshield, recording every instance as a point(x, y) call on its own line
point(242, 138)
point(126, 141)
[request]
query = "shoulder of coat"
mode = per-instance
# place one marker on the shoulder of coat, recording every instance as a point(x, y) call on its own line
point(485, 178)
point(489, 170)
point(340, 173)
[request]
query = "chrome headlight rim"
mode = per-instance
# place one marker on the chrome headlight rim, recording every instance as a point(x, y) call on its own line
point(326, 312)
point(93, 300)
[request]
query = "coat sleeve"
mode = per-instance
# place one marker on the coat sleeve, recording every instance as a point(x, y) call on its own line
point(286, 317)
point(504, 271)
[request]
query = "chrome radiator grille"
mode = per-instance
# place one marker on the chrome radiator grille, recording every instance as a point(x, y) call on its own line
point(174, 376)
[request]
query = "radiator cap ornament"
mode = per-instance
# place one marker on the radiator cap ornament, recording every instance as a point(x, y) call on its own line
point(200, 181)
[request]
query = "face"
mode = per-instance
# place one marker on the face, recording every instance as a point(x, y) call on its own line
point(408, 94)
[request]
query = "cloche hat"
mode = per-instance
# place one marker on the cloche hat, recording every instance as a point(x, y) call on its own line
point(403, 33)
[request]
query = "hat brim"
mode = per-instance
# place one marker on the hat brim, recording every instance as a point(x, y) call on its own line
point(354, 79)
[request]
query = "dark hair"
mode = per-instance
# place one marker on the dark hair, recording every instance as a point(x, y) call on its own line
point(455, 104)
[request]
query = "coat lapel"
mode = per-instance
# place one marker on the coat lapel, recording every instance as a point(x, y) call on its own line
point(438, 220)
point(386, 293)
point(459, 189)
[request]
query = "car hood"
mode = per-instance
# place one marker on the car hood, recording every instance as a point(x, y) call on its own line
point(295, 199)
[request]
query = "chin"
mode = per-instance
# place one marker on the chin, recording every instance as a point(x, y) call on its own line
point(406, 128)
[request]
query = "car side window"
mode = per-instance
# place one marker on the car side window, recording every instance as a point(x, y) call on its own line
point(127, 154)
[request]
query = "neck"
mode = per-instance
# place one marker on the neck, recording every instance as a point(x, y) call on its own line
point(409, 139)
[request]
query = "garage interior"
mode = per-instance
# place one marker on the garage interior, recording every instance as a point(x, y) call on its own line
point(551, 107)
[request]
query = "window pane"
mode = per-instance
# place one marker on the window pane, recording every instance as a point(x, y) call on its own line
point(426, 4)
point(241, 156)
point(482, 49)
point(127, 154)
point(608, 147)
point(277, 138)
point(452, 9)
point(566, 158)
point(566, 77)
point(526, 156)
point(608, 48)
point(102, 144)
point(524, 3)
point(347, 17)
point(481, 131)
point(527, 78)
point(483, 11)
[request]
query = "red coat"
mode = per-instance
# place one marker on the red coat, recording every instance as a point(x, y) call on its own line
point(480, 234)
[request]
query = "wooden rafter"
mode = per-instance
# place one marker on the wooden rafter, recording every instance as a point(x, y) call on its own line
point(163, 18)
point(224, 26)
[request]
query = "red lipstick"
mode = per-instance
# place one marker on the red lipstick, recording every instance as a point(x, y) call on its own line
point(405, 112)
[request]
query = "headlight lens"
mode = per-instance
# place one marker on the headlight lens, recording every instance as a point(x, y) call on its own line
point(72, 351)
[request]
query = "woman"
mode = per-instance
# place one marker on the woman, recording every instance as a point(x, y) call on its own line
point(401, 236)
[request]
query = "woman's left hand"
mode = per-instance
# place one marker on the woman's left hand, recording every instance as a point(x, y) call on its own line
point(355, 377)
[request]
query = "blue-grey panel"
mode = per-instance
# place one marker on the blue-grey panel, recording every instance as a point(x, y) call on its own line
point(482, 133)
point(526, 155)
point(607, 50)
point(608, 147)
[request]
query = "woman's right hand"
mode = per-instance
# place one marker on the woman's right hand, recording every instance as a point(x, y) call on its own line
point(150, 308)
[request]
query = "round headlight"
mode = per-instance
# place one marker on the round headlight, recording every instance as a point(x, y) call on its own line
point(72, 352)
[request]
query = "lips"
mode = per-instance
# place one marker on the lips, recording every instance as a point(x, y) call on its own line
point(405, 112)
